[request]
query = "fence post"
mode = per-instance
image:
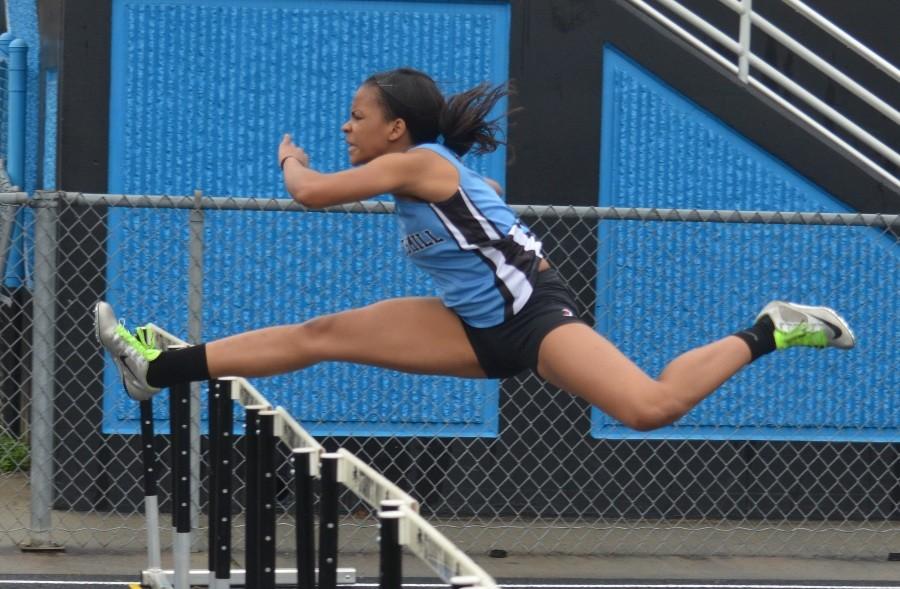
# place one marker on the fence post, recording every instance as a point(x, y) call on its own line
point(195, 318)
point(42, 370)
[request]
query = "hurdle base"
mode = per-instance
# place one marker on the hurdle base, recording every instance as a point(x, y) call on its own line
point(156, 579)
point(36, 546)
point(163, 579)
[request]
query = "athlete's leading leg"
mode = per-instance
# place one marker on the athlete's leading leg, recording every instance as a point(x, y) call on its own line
point(416, 334)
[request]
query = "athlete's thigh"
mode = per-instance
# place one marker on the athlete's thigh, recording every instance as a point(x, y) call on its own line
point(415, 334)
point(579, 360)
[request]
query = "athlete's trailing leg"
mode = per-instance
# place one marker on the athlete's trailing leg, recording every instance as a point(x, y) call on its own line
point(577, 359)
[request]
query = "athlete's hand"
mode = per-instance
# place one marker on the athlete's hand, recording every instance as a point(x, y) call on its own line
point(287, 150)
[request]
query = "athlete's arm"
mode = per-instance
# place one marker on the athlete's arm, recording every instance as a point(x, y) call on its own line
point(413, 173)
point(416, 173)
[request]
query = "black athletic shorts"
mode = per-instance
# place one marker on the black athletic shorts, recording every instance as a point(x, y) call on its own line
point(512, 347)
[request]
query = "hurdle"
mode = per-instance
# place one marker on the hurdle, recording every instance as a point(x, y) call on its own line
point(400, 523)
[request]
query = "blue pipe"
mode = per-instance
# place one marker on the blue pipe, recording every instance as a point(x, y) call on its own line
point(16, 54)
point(17, 72)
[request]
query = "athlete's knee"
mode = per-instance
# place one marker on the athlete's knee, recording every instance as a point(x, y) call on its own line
point(652, 409)
point(317, 334)
point(644, 419)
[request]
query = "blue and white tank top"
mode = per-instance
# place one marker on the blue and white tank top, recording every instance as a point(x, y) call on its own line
point(483, 259)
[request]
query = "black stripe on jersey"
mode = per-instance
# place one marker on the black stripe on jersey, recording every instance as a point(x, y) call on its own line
point(468, 235)
point(459, 213)
point(484, 234)
point(508, 297)
point(514, 253)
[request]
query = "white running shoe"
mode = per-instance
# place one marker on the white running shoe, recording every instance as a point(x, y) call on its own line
point(803, 325)
point(131, 354)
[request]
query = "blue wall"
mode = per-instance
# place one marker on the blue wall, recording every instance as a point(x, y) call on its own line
point(51, 106)
point(667, 287)
point(201, 94)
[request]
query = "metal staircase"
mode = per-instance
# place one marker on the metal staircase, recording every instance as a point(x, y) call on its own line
point(735, 55)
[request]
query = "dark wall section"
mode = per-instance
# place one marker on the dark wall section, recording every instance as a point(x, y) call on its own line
point(555, 55)
point(554, 51)
point(84, 96)
point(75, 36)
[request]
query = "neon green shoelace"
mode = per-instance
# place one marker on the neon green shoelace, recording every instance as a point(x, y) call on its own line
point(145, 346)
point(801, 335)
point(147, 337)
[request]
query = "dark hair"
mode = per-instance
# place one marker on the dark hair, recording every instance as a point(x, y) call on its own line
point(461, 119)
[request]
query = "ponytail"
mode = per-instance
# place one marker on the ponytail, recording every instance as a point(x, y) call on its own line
point(461, 120)
point(464, 124)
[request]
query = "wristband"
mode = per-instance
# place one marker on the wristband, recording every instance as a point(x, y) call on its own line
point(286, 158)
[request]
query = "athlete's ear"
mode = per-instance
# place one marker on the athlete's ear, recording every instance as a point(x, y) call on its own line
point(398, 129)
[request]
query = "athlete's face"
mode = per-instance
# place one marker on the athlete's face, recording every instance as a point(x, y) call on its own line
point(368, 132)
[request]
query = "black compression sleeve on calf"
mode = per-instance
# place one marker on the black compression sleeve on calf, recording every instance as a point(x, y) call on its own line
point(178, 366)
point(760, 338)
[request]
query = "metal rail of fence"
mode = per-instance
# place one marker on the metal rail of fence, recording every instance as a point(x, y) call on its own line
point(553, 477)
point(249, 203)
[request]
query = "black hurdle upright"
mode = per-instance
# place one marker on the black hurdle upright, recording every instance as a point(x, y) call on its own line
point(151, 499)
point(251, 478)
point(180, 420)
point(328, 521)
point(214, 480)
point(221, 418)
point(266, 509)
point(304, 517)
point(391, 553)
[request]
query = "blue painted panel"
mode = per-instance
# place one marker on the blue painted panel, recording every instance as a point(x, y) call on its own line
point(201, 94)
point(668, 287)
point(51, 107)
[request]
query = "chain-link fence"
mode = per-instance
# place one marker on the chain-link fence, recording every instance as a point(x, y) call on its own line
point(797, 455)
